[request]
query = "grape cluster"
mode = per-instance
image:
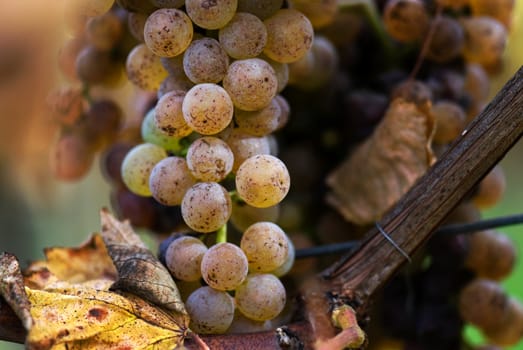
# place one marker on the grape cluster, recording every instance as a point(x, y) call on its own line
point(212, 148)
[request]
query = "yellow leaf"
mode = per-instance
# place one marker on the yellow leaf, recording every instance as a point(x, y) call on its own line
point(87, 262)
point(81, 318)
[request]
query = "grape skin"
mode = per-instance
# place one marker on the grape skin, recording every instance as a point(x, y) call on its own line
point(224, 266)
point(170, 179)
point(406, 20)
point(211, 14)
point(289, 36)
point(244, 36)
point(251, 83)
point(261, 297)
point(137, 166)
point(265, 245)
point(207, 108)
point(211, 311)
point(261, 122)
point(244, 146)
point(168, 115)
point(205, 61)
point(206, 207)
point(183, 258)
point(262, 181)
point(144, 68)
point(152, 134)
point(209, 159)
point(485, 40)
point(168, 32)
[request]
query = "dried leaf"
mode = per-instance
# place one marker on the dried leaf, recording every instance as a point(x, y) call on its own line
point(12, 288)
point(385, 166)
point(90, 261)
point(139, 271)
point(83, 318)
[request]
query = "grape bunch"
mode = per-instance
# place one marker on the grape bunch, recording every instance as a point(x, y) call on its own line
point(205, 154)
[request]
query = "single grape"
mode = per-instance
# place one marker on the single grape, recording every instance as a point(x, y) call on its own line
point(289, 35)
point(406, 20)
point(447, 40)
point(244, 146)
point(450, 121)
point(104, 32)
point(168, 115)
point(137, 166)
point(511, 331)
point(206, 207)
point(485, 40)
point(244, 36)
point(260, 297)
point(265, 245)
point(111, 162)
point(260, 8)
point(144, 68)
point(72, 157)
point(244, 215)
point(205, 61)
point(210, 159)
point(224, 266)
point(251, 83)
point(152, 134)
point(183, 258)
point(484, 304)
point(95, 66)
point(262, 181)
point(207, 108)
point(490, 255)
point(103, 120)
point(477, 83)
point(491, 189)
point(211, 14)
point(170, 179)
point(261, 122)
point(285, 111)
point(211, 311)
point(168, 32)
point(66, 104)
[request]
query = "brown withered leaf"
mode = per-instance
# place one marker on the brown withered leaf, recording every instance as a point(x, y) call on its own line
point(139, 271)
point(12, 288)
point(380, 170)
point(87, 262)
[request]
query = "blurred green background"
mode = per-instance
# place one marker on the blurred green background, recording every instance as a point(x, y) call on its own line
point(37, 212)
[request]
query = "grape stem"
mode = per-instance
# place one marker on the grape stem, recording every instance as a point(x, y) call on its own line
point(221, 234)
point(454, 229)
